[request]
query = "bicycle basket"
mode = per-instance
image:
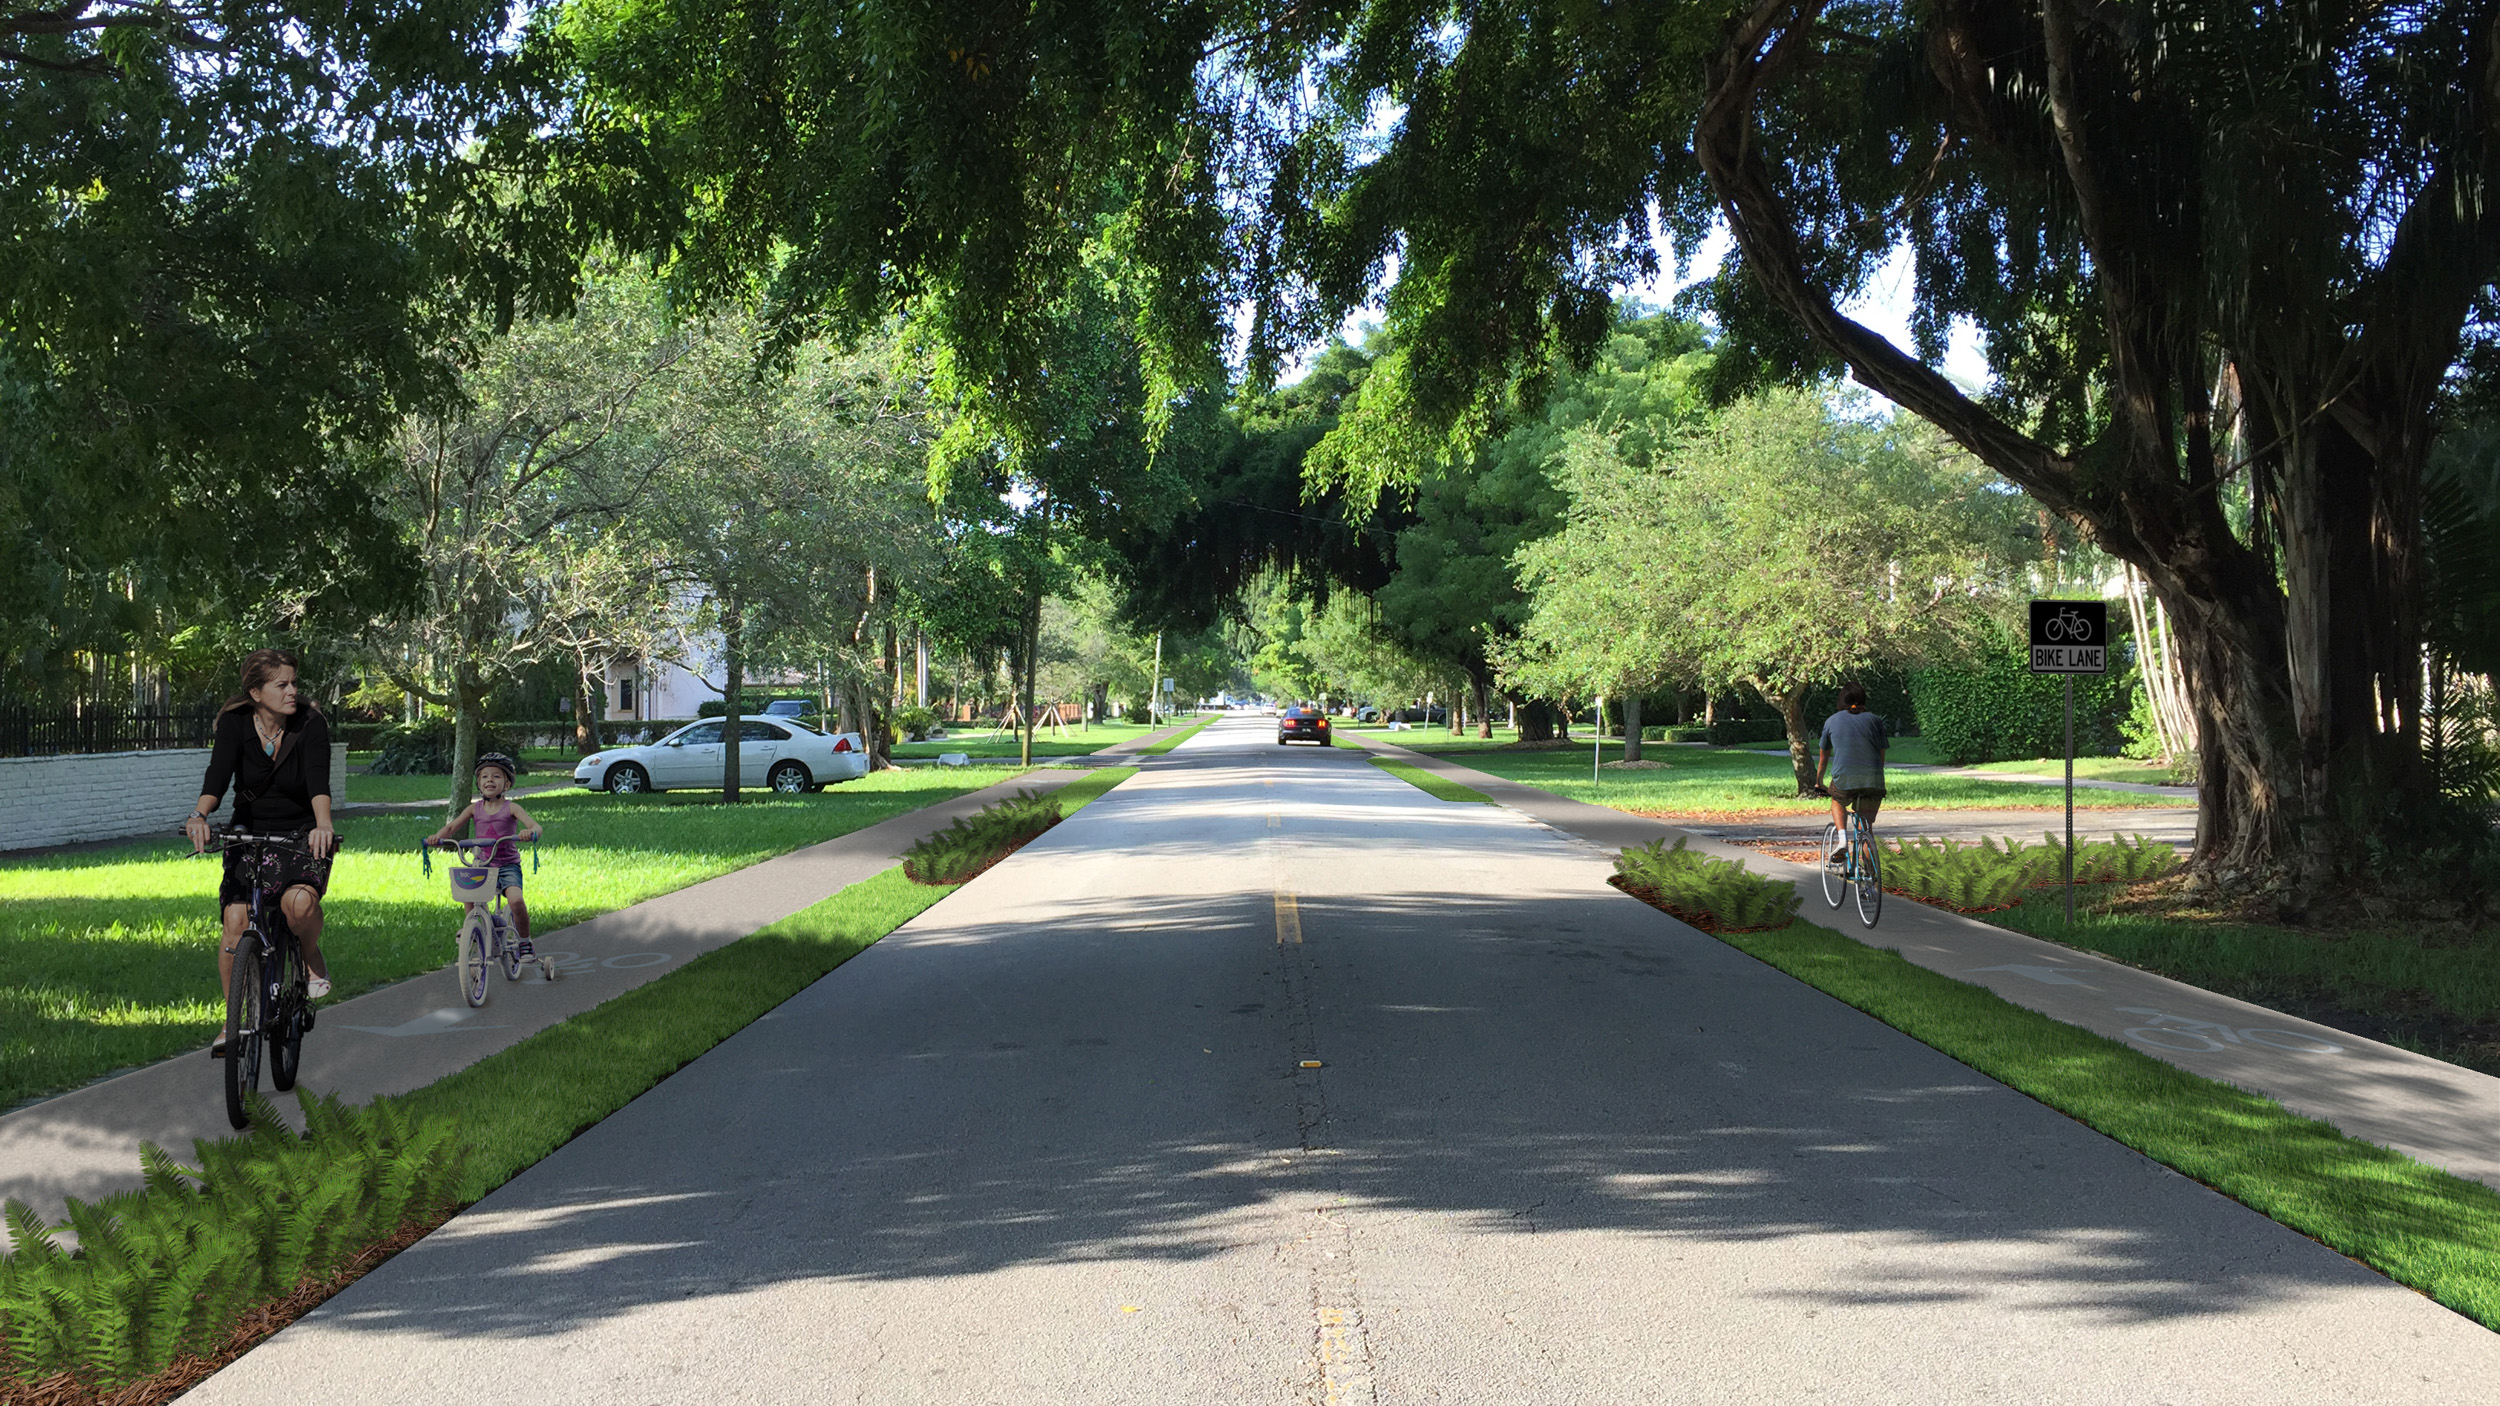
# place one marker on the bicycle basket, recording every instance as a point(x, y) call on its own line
point(472, 883)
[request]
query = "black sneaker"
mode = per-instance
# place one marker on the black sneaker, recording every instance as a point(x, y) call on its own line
point(217, 1047)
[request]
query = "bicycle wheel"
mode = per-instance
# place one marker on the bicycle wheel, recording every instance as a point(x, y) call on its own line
point(243, 1030)
point(1870, 866)
point(471, 968)
point(286, 1028)
point(508, 947)
point(1835, 871)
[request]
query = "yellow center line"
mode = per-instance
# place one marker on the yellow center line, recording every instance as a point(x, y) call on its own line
point(1288, 920)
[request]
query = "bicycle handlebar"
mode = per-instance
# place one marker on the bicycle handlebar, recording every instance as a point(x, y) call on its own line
point(224, 837)
point(427, 846)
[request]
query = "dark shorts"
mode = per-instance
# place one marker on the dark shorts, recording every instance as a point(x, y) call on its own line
point(1863, 798)
point(278, 869)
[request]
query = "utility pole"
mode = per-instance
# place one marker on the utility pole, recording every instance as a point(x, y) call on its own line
point(1154, 702)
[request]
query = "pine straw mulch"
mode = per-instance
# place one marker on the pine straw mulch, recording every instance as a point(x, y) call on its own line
point(184, 1373)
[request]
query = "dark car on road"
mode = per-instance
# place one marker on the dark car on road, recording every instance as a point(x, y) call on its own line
point(1302, 722)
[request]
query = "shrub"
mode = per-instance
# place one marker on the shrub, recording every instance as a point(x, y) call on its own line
point(1973, 878)
point(2107, 861)
point(2000, 710)
point(169, 1269)
point(754, 705)
point(424, 747)
point(1685, 734)
point(915, 722)
point(1983, 877)
point(1735, 732)
point(1733, 897)
point(980, 839)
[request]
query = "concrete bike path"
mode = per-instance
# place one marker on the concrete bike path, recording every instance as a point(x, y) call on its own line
point(2428, 1109)
point(85, 1143)
point(1052, 1142)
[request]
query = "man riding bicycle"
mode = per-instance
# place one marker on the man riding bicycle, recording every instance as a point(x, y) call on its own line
point(1857, 740)
point(273, 746)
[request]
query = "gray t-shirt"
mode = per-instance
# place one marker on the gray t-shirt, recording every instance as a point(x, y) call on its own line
point(1856, 742)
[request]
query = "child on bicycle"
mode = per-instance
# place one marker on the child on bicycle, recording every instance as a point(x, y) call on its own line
point(1856, 740)
point(494, 816)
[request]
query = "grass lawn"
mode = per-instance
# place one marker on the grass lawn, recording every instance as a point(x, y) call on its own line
point(1438, 787)
point(2418, 1225)
point(975, 740)
point(2433, 988)
point(107, 961)
point(1176, 739)
point(1711, 780)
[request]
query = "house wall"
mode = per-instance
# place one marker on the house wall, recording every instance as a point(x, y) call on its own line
point(110, 795)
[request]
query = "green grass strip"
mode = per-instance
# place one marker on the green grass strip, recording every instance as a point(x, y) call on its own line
point(519, 1104)
point(1074, 796)
point(1438, 787)
point(2418, 1225)
point(1167, 744)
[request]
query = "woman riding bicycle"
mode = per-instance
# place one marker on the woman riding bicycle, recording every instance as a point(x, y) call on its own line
point(273, 746)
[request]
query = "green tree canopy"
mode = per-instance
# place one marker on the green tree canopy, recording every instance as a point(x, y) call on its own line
point(1779, 548)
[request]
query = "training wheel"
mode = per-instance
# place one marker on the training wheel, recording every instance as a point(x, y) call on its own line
point(548, 967)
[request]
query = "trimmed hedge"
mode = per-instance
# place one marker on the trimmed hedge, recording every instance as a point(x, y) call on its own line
point(2001, 711)
point(1738, 732)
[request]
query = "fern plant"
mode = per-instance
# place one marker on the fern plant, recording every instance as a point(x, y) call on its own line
point(1735, 898)
point(963, 849)
point(170, 1268)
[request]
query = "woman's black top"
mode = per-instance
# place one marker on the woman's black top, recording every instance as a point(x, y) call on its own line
point(271, 794)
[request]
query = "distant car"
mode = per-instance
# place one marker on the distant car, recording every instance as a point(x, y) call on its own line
point(1367, 714)
point(780, 753)
point(787, 708)
point(1303, 722)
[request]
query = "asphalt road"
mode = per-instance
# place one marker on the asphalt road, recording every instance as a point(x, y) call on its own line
point(1054, 1142)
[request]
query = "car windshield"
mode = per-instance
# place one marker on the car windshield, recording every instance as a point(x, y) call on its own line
point(796, 726)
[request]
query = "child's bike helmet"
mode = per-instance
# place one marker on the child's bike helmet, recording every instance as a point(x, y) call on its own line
point(511, 768)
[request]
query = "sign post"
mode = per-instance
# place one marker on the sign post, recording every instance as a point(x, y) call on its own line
point(2070, 637)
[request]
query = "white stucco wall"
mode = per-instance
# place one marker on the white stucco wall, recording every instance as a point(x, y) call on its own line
point(111, 795)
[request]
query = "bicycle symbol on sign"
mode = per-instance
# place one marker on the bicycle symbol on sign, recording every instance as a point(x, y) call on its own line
point(2174, 1032)
point(2068, 626)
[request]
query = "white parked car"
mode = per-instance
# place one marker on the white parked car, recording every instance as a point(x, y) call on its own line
point(781, 753)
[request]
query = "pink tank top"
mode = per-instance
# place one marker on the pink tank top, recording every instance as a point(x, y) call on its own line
point(500, 827)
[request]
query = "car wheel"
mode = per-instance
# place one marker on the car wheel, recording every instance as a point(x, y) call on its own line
point(790, 779)
point(627, 779)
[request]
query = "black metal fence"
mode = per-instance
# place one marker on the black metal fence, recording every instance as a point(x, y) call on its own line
point(52, 732)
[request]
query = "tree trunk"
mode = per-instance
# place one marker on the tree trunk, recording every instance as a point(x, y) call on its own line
point(1792, 706)
point(1535, 719)
point(1484, 703)
point(890, 683)
point(1032, 663)
point(734, 675)
point(468, 701)
point(1102, 704)
point(1631, 727)
point(588, 704)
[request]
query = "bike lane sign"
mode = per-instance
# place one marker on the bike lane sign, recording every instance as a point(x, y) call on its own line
point(2069, 637)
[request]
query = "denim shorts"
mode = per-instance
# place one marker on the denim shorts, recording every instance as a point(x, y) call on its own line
point(508, 877)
